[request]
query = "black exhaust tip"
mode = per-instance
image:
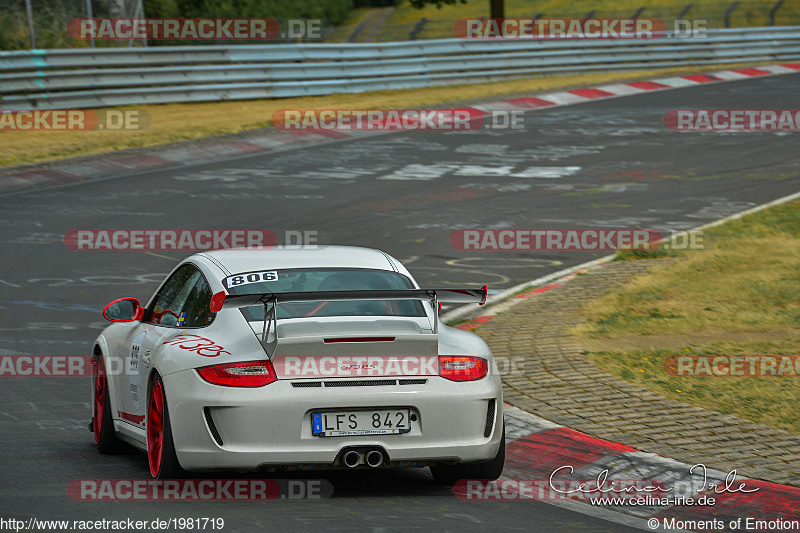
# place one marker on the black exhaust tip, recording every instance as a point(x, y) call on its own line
point(351, 459)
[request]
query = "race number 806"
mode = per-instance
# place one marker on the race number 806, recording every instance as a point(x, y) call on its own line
point(251, 277)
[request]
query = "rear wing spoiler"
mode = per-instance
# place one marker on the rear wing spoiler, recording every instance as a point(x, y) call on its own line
point(221, 300)
point(269, 300)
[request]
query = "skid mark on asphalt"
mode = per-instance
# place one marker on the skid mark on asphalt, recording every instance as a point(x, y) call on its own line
point(62, 424)
point(47, 417)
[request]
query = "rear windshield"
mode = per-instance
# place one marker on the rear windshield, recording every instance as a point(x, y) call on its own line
point(325, 279)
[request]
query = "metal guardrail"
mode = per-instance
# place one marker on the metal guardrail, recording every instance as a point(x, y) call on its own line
point(84, 78)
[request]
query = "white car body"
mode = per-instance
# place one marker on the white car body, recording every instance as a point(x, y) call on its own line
point(218, 427)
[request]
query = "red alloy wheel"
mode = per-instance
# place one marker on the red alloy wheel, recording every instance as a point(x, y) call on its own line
point(99, 398)
point(155, 428)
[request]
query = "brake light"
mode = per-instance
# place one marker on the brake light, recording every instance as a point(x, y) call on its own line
point(462, 367)
point(248, 374)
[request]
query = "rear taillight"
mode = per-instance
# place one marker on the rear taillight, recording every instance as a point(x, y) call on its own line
point(249, 374)
point(462, 367)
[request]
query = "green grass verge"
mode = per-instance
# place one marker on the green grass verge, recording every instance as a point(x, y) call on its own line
point(739, 297)
point(768, 400)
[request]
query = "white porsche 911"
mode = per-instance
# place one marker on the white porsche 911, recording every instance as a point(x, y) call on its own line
point(297, 358)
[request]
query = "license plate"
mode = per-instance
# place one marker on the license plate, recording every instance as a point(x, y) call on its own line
point(353, 423)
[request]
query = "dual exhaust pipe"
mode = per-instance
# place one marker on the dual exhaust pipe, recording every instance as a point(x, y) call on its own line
point(372, 458)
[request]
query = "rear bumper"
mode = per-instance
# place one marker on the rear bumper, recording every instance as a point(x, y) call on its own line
point(271, 425)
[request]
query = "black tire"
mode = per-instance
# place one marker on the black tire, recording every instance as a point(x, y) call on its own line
point(491, 470)
point(168, 467)
point(107, 441)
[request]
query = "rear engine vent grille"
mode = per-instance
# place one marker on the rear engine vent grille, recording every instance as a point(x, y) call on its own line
point(489, 418)
point(306, 384)
point(211, 426)
point(360, 383)
point(354, 383)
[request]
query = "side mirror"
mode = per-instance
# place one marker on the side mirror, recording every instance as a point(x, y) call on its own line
point(217, 301)
point(123, 310)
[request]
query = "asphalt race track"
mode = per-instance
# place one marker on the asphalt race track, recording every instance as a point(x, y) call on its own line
point(603, 164)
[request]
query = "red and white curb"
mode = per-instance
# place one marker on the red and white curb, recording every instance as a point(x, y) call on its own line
point(578, 96)
point(276, 141)
point(537, 448)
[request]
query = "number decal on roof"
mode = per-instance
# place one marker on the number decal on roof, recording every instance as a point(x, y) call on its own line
point(246, 278)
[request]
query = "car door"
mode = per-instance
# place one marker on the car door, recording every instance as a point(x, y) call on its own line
point(181, 306)
point(123, 365)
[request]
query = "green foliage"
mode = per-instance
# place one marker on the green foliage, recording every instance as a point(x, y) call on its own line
point(51, 17)
point(419, 4)
point(50, 24)
point(334, 11)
